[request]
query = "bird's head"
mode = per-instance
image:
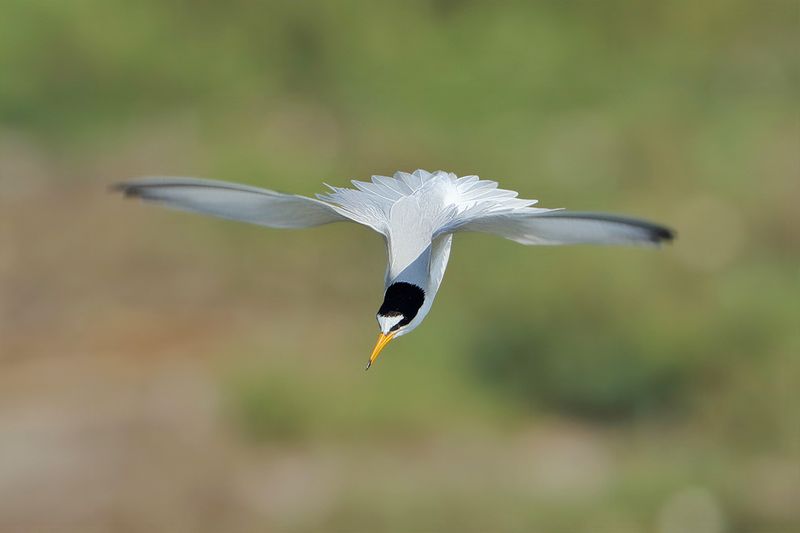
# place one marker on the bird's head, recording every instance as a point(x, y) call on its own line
point(398, 315)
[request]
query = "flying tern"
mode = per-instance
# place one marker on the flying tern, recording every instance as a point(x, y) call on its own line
point(416, 213)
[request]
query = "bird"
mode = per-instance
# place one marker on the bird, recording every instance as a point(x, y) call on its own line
point(416, 213)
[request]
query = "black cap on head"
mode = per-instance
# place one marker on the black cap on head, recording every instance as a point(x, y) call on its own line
point(402, 299)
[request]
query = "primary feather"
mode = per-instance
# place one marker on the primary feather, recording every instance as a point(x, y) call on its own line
point(567, 227)
point(234, 202)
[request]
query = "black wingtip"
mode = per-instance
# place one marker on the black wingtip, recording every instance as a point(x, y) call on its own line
point(127, 190)
point(663, 234)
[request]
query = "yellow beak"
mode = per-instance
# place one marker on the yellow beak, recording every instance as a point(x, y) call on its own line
point(383, 340)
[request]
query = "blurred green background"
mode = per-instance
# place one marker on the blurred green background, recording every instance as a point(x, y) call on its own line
point(168, 372)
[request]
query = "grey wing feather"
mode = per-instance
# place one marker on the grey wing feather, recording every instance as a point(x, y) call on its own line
point(233, 201)
point(566, 227)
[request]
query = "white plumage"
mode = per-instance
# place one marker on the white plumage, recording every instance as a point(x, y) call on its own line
point(417, 214)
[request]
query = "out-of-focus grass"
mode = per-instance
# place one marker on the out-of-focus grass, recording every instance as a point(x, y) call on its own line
point(580, 389)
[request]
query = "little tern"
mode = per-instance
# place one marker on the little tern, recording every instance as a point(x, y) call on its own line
point(417, 215)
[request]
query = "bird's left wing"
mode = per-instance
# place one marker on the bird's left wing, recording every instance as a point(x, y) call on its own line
point(567, 227)
point(234, 202)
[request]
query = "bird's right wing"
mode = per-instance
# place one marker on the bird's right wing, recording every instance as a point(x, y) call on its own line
point(234, 202)
point(566, 227)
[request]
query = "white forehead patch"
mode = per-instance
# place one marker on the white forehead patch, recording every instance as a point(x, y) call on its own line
point(388, 322)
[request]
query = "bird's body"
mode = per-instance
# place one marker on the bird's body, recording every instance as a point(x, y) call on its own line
point(417, 214)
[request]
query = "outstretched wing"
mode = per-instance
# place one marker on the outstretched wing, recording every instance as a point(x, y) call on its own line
point(234, 202)
point(566, 227)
